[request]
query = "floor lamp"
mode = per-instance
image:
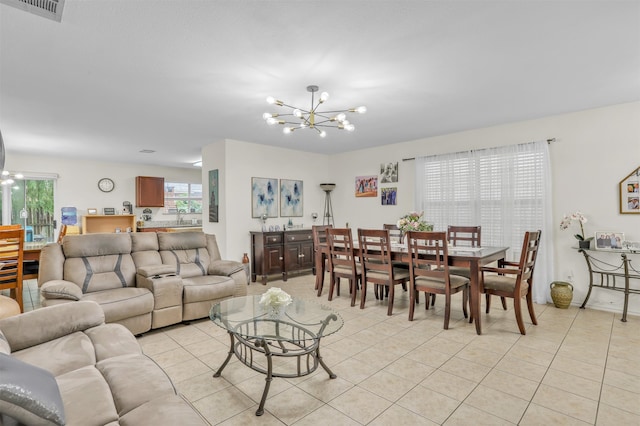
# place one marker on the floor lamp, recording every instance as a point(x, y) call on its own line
point(328, 208)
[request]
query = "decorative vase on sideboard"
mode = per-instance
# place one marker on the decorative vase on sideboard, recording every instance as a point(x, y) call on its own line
point(561, 294)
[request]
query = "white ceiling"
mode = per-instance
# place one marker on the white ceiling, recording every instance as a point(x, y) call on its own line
point(119, 76)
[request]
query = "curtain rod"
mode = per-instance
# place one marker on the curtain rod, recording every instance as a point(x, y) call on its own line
point(549, 141)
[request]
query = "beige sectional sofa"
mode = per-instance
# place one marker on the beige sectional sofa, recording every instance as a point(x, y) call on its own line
point(141, 280)
point(64, 365)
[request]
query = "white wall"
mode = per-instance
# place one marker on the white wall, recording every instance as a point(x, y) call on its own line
point(593, 152)
point(77, 185)
point(243, 160)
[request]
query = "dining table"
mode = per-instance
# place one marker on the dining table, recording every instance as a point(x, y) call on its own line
point(470, 257)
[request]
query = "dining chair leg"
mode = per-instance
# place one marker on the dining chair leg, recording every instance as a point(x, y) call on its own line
point(488, 298)
point(413, 301)
point(332, 286)
point(390, 308)
point(354, 290)
point(532, 312)
point(504, 303)
point(363, 294)
point(433, 299)
point(465, 301)
point(447, 310)
point(518, 310)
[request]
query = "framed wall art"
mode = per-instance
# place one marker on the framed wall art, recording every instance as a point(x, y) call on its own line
point(213, 196)
point(388, 172)
point(630, 193)
point(609, 240)
point(388, 196)
point(366, 186)
point(264, 197)
point(291, 192)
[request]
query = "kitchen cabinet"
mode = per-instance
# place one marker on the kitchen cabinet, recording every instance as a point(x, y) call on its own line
point(280, 252)
point(149, 191)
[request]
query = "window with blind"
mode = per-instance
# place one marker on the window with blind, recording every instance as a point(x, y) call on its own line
point(501, 189)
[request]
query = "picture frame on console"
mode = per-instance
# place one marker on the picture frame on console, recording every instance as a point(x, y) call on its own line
point(630, 193)
point(609, 240)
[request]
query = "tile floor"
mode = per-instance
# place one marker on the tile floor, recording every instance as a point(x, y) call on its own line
point(577, 367)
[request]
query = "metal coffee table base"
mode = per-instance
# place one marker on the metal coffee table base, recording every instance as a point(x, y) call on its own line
point(301, 348)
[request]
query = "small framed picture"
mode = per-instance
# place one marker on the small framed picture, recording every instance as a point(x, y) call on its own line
point(609, 240)
point(388, 197)
point(92, 211)
point(108, 211)
point(630, 193)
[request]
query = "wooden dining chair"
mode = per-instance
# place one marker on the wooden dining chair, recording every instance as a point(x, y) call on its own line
point(463, 236)
point(430, 272)
point(394, 232)
point(343, 261)
point(377, 267)
point(320, 253)
point(11, 263)
point(514, 279)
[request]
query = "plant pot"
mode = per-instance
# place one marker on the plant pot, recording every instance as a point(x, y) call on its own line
point(584, 244)
point(561, 294)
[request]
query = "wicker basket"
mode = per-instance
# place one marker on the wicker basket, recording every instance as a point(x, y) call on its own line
point(561, 294)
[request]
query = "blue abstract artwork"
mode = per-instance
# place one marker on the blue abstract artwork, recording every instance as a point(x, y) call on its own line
point(290, 198)
point(264, 197)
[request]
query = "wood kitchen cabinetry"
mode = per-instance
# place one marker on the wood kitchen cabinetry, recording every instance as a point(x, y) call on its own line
point(280, 252)
point(149, 191)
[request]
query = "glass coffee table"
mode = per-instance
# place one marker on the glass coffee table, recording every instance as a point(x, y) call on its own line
point(285, 344)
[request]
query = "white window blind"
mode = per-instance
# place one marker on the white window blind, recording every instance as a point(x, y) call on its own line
point(505, 190)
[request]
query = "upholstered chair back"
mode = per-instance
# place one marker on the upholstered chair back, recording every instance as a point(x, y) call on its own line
point(98, 262)
point(144, 249)
point(190, 252)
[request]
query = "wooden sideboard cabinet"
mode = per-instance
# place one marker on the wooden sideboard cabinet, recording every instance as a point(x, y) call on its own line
point(108, 223)
point(280, 252)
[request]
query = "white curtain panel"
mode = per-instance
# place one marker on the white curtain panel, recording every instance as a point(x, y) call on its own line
point(506, 190)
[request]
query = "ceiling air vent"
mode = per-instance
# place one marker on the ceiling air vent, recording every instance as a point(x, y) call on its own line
point(51, 9)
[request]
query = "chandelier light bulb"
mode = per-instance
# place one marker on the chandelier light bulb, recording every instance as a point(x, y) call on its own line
point(323, 134)
point(340, 117)
point(287, 130)
point(297, 113)
point(5, 173)
point(361, 109)
point(349, 127)
point(271, 100)
point(267, 115)
point(324, 96)
point(271, 121)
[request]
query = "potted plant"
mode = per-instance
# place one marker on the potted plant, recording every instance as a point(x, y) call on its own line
point(581, 219)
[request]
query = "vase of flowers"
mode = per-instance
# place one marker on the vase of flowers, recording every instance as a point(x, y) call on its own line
point(413, 221)
point(274, 301)
point(581, 219)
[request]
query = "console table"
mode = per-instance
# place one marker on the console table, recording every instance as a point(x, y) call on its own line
point(616, 277)
point(281, 252)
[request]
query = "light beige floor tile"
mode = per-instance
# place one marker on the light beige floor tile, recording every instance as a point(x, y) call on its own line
point(622, 364)
point(428, 356)
point(510, 384)
point(172, 357)
point(537, 415)
point(321, 387)
point(387, 385)
point(198, 387)
point(292, 405)
point(465, 369)
point(531, 355)
point(353, 370)
point(428, 403)
point(480, 356)
point(223, 405)
point(253, 387)
point(206, 346)
point(449, 384)
point(622, 380)
point(566, 403)
point(326, 415)
point(620, 398)
point(399, 416)
point(611, 416)
point(521, 368)
point(442, 344)
point(360, 404)
point(497, 403)
point(248, 418)
point(186, 370)
point(578, 368)
point(574, 384)
point(467, 415)
point(410, 370)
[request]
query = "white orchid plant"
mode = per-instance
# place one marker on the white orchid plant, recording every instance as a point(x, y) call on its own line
point(275, 297)
point(413, 221)
point(575, 217)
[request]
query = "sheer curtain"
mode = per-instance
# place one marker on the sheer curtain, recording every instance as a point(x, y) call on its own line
point(506, 190)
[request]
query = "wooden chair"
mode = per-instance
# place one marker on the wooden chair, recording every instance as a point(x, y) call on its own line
point(463, 236)
point(320, 253)
point(11, 263)
point(432, 274)
point(394, 232)
point(514, 279)
point(343, 261)
point(377, 267)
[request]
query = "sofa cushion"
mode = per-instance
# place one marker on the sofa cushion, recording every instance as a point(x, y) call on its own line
point(96, 245)
point(207, 288)
point(98, 273)
point(4, 345)
point(29, 394)
point(122, 303)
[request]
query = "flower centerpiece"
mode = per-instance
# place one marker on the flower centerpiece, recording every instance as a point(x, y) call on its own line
point(413, 221)
point(581, 219)
point(274, 301)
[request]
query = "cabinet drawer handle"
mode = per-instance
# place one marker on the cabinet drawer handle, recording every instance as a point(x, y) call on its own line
point(301, 255)
point(280, 258)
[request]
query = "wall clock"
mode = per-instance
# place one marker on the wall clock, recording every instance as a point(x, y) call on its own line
point(106, 185)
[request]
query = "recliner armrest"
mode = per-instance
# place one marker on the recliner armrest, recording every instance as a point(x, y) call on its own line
point(61, 289)
point(153, 270)
point(224, 267)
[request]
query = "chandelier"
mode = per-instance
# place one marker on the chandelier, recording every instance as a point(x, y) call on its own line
point(311, 118)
